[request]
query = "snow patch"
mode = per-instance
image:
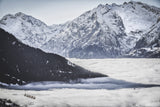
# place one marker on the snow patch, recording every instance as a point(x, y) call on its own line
point(70, 64)
point(47, 61)
point(13, 43)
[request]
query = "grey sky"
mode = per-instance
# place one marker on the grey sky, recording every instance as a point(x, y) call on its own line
point(57, 11)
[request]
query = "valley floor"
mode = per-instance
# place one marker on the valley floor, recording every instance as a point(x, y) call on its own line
point(146, 71)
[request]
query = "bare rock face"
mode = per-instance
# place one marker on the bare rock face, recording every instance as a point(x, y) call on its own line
point(20, 64)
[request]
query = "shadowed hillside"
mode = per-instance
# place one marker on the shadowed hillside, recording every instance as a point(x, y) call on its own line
point(21, 64)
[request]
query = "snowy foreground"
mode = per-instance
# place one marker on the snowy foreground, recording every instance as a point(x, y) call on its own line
point(117, 90)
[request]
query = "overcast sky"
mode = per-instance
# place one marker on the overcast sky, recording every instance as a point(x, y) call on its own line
point(57, 11)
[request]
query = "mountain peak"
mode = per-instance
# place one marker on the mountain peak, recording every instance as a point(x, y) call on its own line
point(20, 14)
point(12, 16)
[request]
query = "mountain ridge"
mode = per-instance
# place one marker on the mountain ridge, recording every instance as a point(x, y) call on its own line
point(107, 31)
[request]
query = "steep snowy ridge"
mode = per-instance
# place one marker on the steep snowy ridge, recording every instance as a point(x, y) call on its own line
point(105, 31)
point(137, 16)
point(29, 30)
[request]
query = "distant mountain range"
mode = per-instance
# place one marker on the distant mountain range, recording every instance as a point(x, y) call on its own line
point(108, 31)
point(21, 64)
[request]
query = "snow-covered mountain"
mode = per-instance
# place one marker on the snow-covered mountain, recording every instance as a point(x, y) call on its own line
point(105, 31)
point(27, 29)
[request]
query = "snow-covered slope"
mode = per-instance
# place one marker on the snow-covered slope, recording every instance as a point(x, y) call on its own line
point(91, 35)
point(105, 31)
point(149, 44)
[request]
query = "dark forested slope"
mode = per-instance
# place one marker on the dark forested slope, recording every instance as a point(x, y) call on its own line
point(21, 64)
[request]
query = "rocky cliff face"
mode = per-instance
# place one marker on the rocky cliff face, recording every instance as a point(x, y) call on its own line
point(106, 31)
